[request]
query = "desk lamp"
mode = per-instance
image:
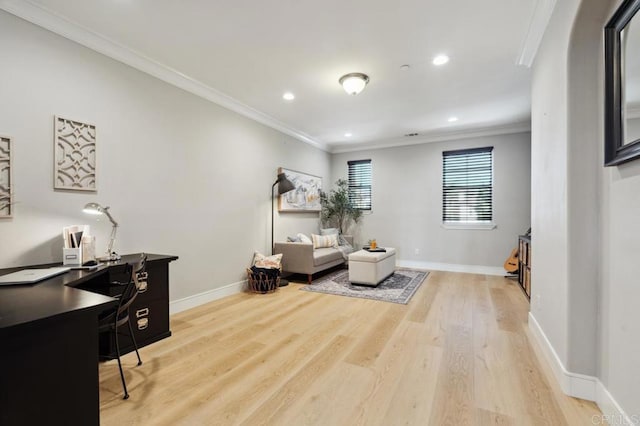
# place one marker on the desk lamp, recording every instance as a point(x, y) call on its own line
point(97, 209)
point(284, 186)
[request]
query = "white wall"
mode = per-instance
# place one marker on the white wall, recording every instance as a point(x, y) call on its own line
point(407, 201)
point(183, 176)
point(584, 216)
point(585, 159)
point(619, 365)
point(549, 179)
point(619, 339)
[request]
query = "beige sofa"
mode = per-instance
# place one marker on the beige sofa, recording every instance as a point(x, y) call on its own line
point(301, 258)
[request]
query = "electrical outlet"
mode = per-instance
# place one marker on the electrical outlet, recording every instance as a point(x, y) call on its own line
point(416, 251)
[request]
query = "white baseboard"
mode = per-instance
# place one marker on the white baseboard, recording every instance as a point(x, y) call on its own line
point(611, 411)
point(189, 302)
point(580, 385)
point(452, 267)
point(573, 384)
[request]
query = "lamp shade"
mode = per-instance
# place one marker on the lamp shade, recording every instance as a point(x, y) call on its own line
point(354, 83)
point(97, 209)
point(284, 184)
point(93, 208)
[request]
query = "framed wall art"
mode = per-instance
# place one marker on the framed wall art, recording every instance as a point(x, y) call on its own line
point(75, 155)
point(622, 85)
point(306, 195)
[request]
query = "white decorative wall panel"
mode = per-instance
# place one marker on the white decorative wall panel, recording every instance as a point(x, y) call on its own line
point(6, 183)
point(75, 155)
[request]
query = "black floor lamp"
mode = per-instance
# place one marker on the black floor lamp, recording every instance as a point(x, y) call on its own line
point(284, 186)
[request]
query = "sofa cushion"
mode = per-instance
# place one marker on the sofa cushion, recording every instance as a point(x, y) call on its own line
point(325, 255)
point(342, 241)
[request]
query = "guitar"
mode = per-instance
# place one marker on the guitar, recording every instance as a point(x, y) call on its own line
point(511, 264)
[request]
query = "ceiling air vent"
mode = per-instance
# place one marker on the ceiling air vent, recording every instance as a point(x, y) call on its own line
point(411, 134)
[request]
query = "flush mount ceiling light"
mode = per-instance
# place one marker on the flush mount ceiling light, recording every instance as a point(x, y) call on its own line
point(348, 135)
point(288, 96)
point(452, 119)
point(440, 60)
point(354, 82)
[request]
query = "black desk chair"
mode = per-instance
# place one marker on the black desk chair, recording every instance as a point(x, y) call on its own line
point(110, 321)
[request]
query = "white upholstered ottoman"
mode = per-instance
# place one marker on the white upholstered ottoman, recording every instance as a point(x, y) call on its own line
point(371, 268)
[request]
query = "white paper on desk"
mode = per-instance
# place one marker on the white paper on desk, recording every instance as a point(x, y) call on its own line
point(69, 233)
point(88, 248)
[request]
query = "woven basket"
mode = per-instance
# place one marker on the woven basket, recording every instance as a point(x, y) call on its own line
point(261, 283)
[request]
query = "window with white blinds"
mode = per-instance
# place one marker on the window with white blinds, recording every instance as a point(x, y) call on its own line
point(360, 184)
point(467, 186)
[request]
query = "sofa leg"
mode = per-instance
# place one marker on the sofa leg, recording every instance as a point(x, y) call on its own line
point(309, 278)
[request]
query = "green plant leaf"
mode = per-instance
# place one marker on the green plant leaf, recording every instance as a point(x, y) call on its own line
point(337, 210)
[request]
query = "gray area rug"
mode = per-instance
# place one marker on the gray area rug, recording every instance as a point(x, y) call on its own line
point(398, 288)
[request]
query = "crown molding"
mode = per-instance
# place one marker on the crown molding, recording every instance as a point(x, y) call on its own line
point(507, 129)
point(537, 26)
point(62, 26)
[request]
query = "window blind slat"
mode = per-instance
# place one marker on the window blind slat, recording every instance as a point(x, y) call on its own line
point(360, 184)
point(467, 185)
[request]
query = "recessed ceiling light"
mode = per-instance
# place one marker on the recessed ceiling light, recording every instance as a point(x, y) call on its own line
point(440, 60)
point(405, 67)
point(288, 96)
point(452, 119)
point(347, 135)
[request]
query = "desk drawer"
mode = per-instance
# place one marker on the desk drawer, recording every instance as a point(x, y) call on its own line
point(154, 282)
point(156, 285)
point(149, 319)
point(150, 323)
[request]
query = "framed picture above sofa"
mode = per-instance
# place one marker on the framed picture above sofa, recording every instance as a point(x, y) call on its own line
point(306, 195)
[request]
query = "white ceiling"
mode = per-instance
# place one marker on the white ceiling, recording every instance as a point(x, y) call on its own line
point(254, 51)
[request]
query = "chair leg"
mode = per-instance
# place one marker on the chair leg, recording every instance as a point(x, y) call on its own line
point(124, 384)
point(135, 345)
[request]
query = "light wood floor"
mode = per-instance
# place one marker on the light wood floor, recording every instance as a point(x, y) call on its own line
point(458, 354)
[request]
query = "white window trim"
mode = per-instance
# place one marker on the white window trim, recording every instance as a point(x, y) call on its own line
point(482, 226)
point(370, 209)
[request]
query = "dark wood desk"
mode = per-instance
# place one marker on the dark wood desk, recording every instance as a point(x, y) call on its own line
point(49, 341)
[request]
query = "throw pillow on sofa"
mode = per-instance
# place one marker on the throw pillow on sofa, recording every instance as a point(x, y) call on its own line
point(335, 231)
point(304, 238)
point(322, 241)
point(329, 231)
point(269, 262)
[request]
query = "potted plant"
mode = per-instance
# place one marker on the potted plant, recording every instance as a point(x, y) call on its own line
point(337, 210)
